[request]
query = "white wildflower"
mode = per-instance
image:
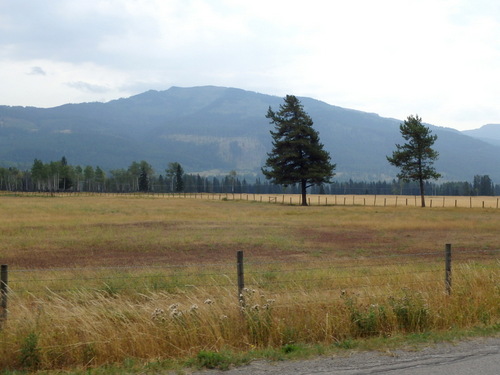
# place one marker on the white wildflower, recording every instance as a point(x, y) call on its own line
point(174, 306)
point(176, 313)
point(157, 314)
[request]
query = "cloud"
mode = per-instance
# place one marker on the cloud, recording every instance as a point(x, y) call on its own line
point(37, 71)
point(437, 58)
point(88, 87)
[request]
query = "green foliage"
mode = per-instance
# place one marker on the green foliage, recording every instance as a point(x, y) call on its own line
point(297, 155)
point(289, 348)
point(143, 180)
point(29, 356)
point(367, 320)
point(179, 180)
point(214, 360)
point(411, 312)
point(415, 158)
point(346, 344)
point(483, 185)
point(175, 174)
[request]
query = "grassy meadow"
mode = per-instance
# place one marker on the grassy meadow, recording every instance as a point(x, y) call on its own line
point(97, 280)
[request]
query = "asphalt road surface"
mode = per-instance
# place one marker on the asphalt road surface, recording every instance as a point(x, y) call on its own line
point(478, 357)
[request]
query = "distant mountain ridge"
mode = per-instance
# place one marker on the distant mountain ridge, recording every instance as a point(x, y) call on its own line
point(489, 133)
point(213, 130)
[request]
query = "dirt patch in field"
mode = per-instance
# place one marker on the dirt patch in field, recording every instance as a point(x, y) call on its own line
point(117, 256)
point(216, 242)
point(344, 239)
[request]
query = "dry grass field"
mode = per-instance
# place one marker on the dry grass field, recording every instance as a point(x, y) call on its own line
point(41, 232)
point(98, 279)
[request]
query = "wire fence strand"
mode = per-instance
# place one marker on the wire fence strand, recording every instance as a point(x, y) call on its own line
point(280, 275)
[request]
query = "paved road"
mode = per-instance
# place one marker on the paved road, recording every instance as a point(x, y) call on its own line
point(478, 357)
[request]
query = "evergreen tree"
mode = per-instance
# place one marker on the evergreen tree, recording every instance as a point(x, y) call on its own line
point(297, 155)
point(179, 180)
point(171, 172)
point(65, 175)
point(100, 179)
point(416, 157)
point(483, 185)
point(143, 179)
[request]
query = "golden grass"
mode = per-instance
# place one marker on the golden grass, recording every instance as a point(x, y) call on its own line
point(83, 328)
point(110, 230)
point(96, 280)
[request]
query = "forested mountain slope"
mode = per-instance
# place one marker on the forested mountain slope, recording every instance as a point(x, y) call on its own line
point(214, 130)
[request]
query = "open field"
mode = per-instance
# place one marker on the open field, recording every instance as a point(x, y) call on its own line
point(319, 200)
point(99, 279)
point(111, 230)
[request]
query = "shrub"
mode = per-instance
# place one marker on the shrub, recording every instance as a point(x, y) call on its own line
point(367, 320)
point(213, 360)
point(412, 314)
point(29, 356)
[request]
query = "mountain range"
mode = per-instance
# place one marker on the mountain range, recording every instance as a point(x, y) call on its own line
point(213, 130)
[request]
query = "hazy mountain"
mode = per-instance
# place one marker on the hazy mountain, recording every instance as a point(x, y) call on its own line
point(489, 133)
point(217, 129)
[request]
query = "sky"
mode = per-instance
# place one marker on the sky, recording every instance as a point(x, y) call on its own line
point(439, 59)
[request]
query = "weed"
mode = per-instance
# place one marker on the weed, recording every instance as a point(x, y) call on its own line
point(111, 290)
point(289, 334)
point(213, 360)
point(289, 348)
point(88, 354)
point(258, 316)
point(346, 344)
point(367, 320)
point(412, 314)
point(29, 356)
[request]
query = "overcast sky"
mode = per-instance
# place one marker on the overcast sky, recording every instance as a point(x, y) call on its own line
point(439, 59)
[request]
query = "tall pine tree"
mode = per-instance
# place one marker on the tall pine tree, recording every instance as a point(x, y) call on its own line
point(415, 158)
point(297, 155)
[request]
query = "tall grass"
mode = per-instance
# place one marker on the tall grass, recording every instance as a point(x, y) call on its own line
point(102, 279)
point(85, 327)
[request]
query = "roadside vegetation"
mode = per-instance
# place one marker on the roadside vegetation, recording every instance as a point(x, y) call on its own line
point(144, 283)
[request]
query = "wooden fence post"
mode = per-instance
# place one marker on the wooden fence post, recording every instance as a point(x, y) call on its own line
point(241, 278)
point(447, 280)
point(4, 283)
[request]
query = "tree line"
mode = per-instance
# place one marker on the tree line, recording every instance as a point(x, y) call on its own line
point(141, 177)
point(297, 163)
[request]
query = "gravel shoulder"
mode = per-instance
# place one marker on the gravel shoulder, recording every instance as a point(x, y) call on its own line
point(405, 361)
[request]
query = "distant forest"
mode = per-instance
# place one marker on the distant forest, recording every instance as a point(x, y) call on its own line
point(140, 177)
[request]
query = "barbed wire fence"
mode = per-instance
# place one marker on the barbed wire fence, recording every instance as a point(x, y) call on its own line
point(313, 280)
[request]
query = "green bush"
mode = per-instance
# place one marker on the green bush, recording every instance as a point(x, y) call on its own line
point(412, 314)
point(213, 360)
point(29, 356)
point(367, 320)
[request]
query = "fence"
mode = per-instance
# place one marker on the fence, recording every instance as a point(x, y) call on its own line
point(296, 199)
point(367, 276)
